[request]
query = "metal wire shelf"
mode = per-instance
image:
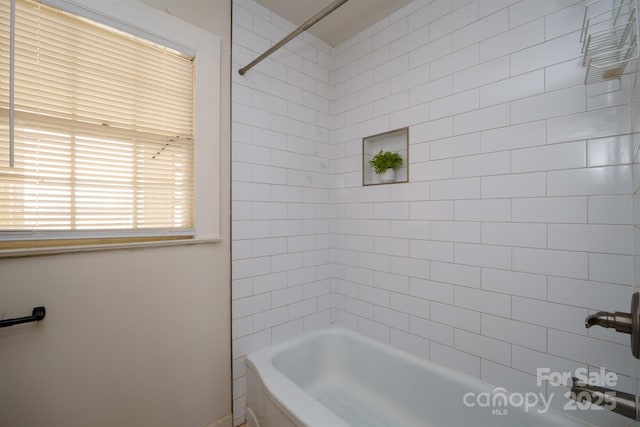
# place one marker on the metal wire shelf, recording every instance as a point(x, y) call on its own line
point(609, 39)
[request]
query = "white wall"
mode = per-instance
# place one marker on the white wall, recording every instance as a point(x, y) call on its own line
point(517, 221)
point(132, 337)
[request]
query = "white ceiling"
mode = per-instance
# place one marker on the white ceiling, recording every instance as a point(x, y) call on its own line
point(340, 25)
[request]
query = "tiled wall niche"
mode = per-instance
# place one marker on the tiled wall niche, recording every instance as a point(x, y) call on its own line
point(515, 225)
point(395, 141)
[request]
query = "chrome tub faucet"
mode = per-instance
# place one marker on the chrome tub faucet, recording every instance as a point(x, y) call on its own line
point(628, 323)
point(621, 322)
point(622, 403)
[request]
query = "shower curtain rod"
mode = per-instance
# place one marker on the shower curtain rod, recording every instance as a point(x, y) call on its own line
point(308, 24)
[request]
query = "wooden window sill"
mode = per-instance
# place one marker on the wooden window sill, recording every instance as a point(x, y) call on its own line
point(15, 249)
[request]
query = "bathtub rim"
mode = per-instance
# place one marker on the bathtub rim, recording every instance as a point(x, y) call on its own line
point(279, 387)
point(288, 396)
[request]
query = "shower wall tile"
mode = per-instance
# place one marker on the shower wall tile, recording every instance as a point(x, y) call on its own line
point(548, 105)
point(515, 234)
point(466, 188)
point(456, 316)
point(431, 291)
point(435, 129)
point(611, 268)
point(432, 331)
point(610, 94)
point(604, 122)
point(517, 220)
point(408, 42)
point(255, 304)
point(550, 209)
point(483, 347)
point(482, 119)
point(510, 379)
point(519, 333)
point(281, 183)
point(459, 103)
point(455, 359)
point(391, 282)
point(588, 294)
point(430, 51)
point(551, 157)
point(455, 146)
point(392, 318)
point(411, 305)
point(614, 239)
point(512, 41)
point(483, 301)
point(609, 151)
point(564, 75)
point(609, 180)
point(391, 68)
point(544, 54)
point(420, 152)
point(487, 7)
point(455, 273)
point(528, 10)
point(483, 210)
point(410, 343)
point(513, 137)
point(468, 232)
point(457, 18)
point(431, 210)
point(481, 29)
point(481, 75)
point(510, 89)
point(433, 170)
point(428, 13)
point(559, 263)
point(456, 61)
point(529, 361)
point(556, 316)
point(514, 185)
point(515, 283)
point(591, 351)
point(564, 21)
point(482, 164)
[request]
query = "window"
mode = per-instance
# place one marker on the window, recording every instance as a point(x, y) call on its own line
point(103, 141)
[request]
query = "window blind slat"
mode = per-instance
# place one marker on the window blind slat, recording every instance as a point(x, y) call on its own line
point(103, 130)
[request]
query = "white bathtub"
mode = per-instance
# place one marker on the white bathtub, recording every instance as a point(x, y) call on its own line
point(334, 377)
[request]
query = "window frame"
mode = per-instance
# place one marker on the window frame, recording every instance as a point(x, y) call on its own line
point(152, 24)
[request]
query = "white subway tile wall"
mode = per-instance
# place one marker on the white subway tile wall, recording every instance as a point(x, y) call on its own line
point(518, 218)
point(609, 264)
point(282, 180)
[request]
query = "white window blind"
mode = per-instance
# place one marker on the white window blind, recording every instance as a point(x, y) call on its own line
point(103, 131)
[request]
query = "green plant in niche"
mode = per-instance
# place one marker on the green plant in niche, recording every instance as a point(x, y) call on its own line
point(385, 160)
